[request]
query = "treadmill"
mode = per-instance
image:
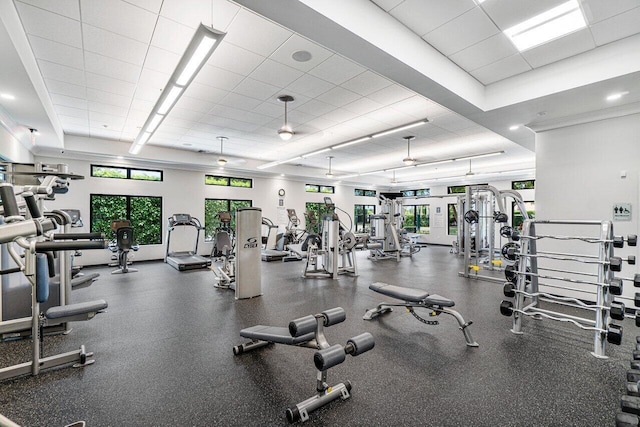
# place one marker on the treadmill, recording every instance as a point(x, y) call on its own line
point(185, 260)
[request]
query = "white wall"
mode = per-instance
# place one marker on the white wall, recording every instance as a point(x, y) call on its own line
point(579, 175)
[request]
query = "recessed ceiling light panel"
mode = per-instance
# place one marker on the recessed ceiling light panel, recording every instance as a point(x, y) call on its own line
point(301, 56)
point(616, 96)
point(547, 26)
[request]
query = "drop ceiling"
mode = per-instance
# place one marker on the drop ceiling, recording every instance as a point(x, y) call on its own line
point(103, 67)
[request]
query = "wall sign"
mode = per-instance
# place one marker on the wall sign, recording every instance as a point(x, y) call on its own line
point(622, 212)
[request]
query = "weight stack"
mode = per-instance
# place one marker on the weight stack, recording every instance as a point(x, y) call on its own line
point(248, 253)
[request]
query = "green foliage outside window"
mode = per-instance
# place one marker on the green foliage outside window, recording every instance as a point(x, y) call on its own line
point(456, 189)
point(211, 209)
point(528, 184)
point(226, 181)
point(452, 219)
point(145, 214)
point(416, 218)
point(125, 173)
point(241, 182)
point(361, 217)
point(107, 172)
point(313, 188)
point(216, 180)
point(146, 175)
point(319, 210)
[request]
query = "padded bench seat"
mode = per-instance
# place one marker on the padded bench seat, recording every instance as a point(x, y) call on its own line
point(76, 309)
point(411, 294)
point(276, 334)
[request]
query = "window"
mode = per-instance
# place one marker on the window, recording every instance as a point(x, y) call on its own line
point(227, 181)
point(318, 210)
point(528, 184)
point(452, 219)
point(416, 218)
point(125, 173)
point(456, 189)
point(211, 209)
point(366, 193)
point(516, 216)
point(313, 188)
point(144, 212)
point(361, 215)
point(413, 193)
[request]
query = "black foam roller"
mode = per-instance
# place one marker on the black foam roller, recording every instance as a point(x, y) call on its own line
point(9, 202)
point(32, 205)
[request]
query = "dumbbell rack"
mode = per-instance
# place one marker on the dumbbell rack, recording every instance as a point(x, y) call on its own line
point(527, 287)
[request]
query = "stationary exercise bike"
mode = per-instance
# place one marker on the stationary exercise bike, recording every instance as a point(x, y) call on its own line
point(122, 245)
point(223, 236)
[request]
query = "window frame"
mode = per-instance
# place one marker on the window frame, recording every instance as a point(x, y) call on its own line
point(127, 170)
point(366, 222)
point(318, 188)
point(525, 182)
point(228, 208)
point(228, 181)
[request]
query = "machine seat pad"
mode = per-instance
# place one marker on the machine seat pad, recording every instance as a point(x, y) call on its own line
point(439, 301)
point(276, 334)
point(76, 309)
point(81, 281)
point(400, 292)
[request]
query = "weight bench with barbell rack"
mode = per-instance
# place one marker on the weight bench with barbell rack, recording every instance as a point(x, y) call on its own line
point(308, 332)
point(418, 298)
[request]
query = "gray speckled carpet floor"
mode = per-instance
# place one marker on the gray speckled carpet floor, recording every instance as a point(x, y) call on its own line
point(164, 356)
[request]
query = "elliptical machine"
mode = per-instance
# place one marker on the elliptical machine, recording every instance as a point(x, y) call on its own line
point(122, 245)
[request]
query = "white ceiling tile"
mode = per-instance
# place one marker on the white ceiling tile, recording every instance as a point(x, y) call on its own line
point(172, 36)
point(240, 101)
point(187, 12)
point(363, 106)
point(315, 107)
point(104, 133)
point(297, 43)
point(422, 16)
point(390, 94)
point(120, 18)
point(181, 113)
point(56, 52)
point(599, 10)
point(236, 59)
point(194, 104)
point(68, 101)
point(108, 98)
point(366, 125)
point(72, 112)
point(150, 5)
point(502, 69)
point(110, 67)
point(99, 120)
point(387, 4)
point(269, 109)
point(178, 122)
point(113, 45)
point(339, 115)
point(239, 115)
point(390, 116)
point(275, 73)
point(484, 53)
point(147, 93)
point(338, 97)
point(62, 88)
point(507, 13)
point(256, 89)
point(113, 110)
point(561, 48)
point(50, 26)
point(223, 13)
point(419, 107)
point(310, 86)
point(142, 106)
point(205, 92)
point(298, 117)
point(617, 27)
point(154, 79)
point(366, 83)
point(448, 38)
point(217, 77)
point(107, 84)
point(50, 70)
point(253, 33)
point(161, 60)
point(68, 8)
point(337, 70)
point(70, 122)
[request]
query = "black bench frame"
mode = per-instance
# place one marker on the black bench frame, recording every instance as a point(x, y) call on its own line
point(418, 298)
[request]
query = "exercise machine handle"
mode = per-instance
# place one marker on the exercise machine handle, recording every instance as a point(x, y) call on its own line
point(32, 205)
point(78, 236)
point(9, 202)
point(69, 246)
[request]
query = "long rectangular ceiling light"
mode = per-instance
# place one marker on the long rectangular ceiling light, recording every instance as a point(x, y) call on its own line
point(398, 129)
point(204, 42)
point(547, 26)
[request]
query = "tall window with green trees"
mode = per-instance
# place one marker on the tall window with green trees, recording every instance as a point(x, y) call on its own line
point(516, 216)
point(319, 210)
point(452, 219)
point(211, 209)
point(416, 218)
point(361, 214)
point(144, 212)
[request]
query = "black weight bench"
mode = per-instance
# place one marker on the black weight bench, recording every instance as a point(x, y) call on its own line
point(418, 298)
point(308, 332)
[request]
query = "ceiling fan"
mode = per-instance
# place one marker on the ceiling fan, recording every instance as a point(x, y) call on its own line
point(221, 160)
point(285, 132)
point(470, 173)
point(408, 160)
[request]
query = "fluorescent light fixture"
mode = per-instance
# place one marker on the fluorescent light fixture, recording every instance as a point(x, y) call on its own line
point(514, 127)
point(353, 175)
point(438, 162)
point(153, 124)
point(278, 162)
point(405, 127)
point(200, 48)
point(169, 100)
point(324, 150)
point(616, 96)
point(399, 168)
point(547, 26)
point(7, 96)
point(196, 61)
point(478, 156)
point(355, 141)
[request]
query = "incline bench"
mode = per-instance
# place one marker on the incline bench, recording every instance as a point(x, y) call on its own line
point(308, 332)
point(418, 298)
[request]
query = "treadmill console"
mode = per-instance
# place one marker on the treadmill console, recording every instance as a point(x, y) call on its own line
point(181, 219)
